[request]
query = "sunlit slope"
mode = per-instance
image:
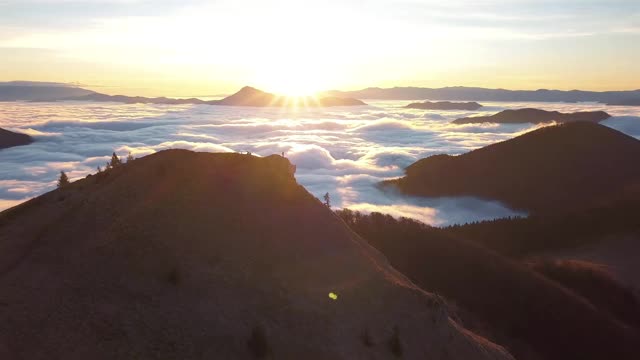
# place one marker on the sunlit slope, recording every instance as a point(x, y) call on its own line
point(183, 255)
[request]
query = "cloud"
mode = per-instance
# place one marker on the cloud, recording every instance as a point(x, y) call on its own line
point(345, 151)
point(629, 125)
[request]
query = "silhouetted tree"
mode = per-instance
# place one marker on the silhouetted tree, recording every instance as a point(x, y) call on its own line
point(99, 169)
point(63, 180)
point(258, 344)
point(115, 161)
point(367, 340)
point(130, 157)
point(395, 345)
point(327, 200)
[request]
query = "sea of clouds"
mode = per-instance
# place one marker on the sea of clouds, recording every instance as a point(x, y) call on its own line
point(342, 151)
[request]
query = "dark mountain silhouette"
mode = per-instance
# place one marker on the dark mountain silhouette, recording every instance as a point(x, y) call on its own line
point(28, 91)
point(534, 317)
point(534, 116)
point(462, 93)
point(247, 96)
point(9, 139)
point(183, 255)
point(553, 169)
point(444, 105)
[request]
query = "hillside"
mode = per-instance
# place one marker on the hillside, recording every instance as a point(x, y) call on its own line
point(534, 317)
point(182, 255)
point(534, 116)
point(606, 236)
point(9, 139)
point(444, 105)
point(552, 169)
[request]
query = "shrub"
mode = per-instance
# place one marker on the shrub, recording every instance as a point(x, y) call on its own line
point(367, 340)
point(174, 277)
point(258, 344)
point(395, 345)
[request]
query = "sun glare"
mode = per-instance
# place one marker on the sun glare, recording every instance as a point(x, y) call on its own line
point(301, 78)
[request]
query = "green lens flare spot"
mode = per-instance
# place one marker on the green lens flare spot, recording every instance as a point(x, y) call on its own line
point(333, 296)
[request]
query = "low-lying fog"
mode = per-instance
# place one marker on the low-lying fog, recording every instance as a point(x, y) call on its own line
point(343, 151)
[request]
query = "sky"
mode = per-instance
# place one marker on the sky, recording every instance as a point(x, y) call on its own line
point(208, 48)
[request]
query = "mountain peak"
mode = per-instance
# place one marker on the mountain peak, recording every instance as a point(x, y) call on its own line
point(195, 253)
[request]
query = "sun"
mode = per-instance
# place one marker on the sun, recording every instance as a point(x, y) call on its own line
point(294, 79)
point(293, 87)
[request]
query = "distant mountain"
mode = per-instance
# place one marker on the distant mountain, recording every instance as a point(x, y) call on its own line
point(28, 91)
point(626, 102)
point(97, 97)
point(534, 116)
point(549, 170)
point(461, 93)
point(9, 139)
point(444, 105)
point(183, 255)
point(247, 96)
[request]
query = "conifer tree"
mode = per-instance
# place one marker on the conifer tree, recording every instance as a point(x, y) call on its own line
point(63, 180)
point(115, 161)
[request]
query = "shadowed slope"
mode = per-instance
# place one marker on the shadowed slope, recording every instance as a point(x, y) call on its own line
point(193, 255)
point(533, 317)
point(9, 139)
point(552, 169)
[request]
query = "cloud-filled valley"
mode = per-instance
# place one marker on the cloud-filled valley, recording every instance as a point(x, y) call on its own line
point(343, 151)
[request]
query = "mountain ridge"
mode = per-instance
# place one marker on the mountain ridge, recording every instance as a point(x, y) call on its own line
point(246, 96)
point(463, 93)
